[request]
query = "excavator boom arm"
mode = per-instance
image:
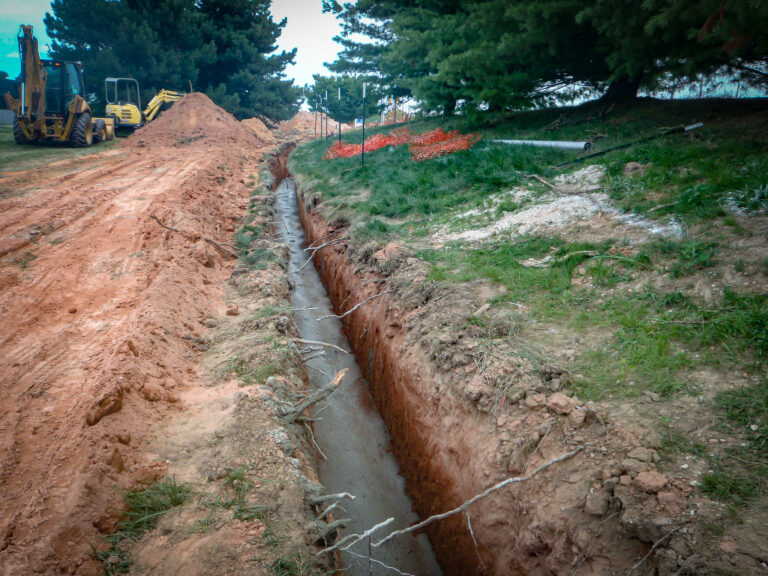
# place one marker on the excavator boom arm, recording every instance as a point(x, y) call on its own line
point(162, 97)
point(33, 78)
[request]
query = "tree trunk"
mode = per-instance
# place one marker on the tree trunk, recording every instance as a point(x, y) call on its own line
point(622, 89)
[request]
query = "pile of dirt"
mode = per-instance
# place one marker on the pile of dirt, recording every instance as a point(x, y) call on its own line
point(301, 123)
point(104, 314)
point(193, 119)
point(259, 129)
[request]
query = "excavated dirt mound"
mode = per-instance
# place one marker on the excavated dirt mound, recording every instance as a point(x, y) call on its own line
point(259, 129)
point(301, 123)
point(103, 312)
point(194, 118)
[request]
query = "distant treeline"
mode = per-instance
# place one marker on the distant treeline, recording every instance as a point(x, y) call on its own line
point(498, 54)
point(226, 48)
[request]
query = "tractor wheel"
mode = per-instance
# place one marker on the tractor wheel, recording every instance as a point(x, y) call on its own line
point(99, 131)
point(82, 131)
point(18, 133)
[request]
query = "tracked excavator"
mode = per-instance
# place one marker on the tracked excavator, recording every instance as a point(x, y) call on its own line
point(52, 102)
point(124, 103)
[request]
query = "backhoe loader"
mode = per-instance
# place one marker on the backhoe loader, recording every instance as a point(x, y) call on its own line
point(51, 104)
point(124, 103)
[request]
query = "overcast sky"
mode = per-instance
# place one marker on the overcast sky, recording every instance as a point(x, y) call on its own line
point(308, 29)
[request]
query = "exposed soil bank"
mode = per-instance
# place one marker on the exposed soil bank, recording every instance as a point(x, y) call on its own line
point(437, 449)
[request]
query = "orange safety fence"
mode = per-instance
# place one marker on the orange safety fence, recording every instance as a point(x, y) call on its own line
point(424, 146)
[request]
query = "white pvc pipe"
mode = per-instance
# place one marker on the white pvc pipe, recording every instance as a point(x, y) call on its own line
point(563, 144)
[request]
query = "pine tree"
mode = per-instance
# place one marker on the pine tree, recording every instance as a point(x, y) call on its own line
point(223, 47)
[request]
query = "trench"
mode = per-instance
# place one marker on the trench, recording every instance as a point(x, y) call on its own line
point(354, 440)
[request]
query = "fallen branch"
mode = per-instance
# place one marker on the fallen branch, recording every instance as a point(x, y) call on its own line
point(655, 545)
point(316, 250)
point(589, 543)
point(379, 562)
point(468, 503)
point(218, 245)
point(310, 342)
point(315, 397)
point(312, 438)
point(327, 497)
point(540, 179)
point(356, 307)
point(348, 541)
point(326, 530)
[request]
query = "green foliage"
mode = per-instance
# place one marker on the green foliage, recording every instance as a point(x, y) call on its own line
point(500, 54)
point(351, 97)
point(226, 48)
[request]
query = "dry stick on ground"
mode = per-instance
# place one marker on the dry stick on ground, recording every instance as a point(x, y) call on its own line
point(378, 562)
point(349, 541)
point(312, 438)
point(468, 503)
point(472, 533)
point(556, 189)
point(388, 291)
point(332, 233)
point(310, 342)
point(316, 250)
point(315, 397)
point(655, 545)
point(525, 468)
point(218, 245)
point(589, 543)
point(314, 501)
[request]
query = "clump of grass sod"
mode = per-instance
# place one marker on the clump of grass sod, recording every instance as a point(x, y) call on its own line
point(145, 508)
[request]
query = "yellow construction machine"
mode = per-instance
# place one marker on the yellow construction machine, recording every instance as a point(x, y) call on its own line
point(124, 103)
point(52, 104)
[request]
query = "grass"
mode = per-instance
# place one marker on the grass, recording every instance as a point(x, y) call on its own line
point(248, 374)
point(292, 565)
point(144, 509)
point(741, 474)
point(639, 338)
point(20, 157)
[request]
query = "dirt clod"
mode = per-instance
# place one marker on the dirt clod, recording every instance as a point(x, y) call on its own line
point(650, 481)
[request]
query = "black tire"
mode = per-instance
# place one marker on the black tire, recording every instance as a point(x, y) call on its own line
point(82, 131)
point(18, 133)
point(99, 131)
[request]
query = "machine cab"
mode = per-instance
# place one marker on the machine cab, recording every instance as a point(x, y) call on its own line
point(65, 81)
point(123, 101)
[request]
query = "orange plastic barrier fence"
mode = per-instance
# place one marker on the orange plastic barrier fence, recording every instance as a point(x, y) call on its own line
point(424, 146)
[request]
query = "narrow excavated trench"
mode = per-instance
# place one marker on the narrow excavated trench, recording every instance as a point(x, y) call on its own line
point(351, 436)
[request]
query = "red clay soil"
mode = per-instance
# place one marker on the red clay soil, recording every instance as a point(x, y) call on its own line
point(100, 314)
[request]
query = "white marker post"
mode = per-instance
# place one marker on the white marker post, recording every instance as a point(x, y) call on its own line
point(362, 156)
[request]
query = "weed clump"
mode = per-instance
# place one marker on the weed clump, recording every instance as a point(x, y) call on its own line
point(145, 508)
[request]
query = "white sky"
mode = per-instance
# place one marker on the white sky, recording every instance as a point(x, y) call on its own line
point(308, 29)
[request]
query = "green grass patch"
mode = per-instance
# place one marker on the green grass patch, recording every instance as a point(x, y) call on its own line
point(22, 157)
point(246, 235)
point(687, 256)
point(145, 508)
point(259, 258)
point(741, 475)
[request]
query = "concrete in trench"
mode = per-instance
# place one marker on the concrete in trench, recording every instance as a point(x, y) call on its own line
point(350, 431)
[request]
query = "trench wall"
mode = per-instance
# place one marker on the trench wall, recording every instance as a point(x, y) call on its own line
point(441, 446)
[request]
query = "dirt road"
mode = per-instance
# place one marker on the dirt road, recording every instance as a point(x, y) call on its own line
point(102, 309)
